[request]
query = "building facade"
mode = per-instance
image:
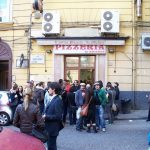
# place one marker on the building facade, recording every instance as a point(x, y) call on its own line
point(85, 40)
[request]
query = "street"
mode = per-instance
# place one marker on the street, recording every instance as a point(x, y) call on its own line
point(122, 135)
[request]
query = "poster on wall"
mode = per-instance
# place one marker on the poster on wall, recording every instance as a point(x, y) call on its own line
point(37, 59)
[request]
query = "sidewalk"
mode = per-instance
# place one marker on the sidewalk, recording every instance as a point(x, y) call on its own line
point(134, 115)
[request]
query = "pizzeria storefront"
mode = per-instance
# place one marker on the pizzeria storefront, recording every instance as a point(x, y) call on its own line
point(80, 62)
point(80, 59)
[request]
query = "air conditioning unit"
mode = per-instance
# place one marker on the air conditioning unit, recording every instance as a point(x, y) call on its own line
point(145, 43)
point(51, 22)
point(110, 21)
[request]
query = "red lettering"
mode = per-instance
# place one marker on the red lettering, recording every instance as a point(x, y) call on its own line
point(76, 47)
point(58, 46)
point(90, 47)
point(101, 46)
point(69, 47)
point(83, 47)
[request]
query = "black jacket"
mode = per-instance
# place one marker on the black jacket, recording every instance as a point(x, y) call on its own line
point(38, 95)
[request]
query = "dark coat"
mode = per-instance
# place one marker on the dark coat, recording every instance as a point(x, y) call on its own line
point(53, 112)
point(38, 96)
point(71, 99)
point(25, 119)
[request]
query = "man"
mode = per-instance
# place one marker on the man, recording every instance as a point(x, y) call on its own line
point(80, 100)
point(38, 96)
point(53, 115)
point(100, 95)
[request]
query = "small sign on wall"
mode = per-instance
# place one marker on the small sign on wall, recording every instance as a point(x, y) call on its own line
point(37, 59)
point(25, 63)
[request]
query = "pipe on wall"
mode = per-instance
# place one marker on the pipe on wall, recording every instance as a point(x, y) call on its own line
point(139, 8)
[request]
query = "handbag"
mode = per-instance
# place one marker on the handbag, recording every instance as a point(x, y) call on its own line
point(40, 134)
point(84, 109)
point(113, 107)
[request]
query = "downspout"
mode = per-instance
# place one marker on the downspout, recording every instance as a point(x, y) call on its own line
point(139, 8)
point(29, 47)
point(133, 56)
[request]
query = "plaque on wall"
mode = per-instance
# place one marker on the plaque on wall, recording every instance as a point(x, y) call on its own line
point(37, 59)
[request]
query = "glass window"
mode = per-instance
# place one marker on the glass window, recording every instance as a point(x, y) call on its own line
point(72, 61)
point(5, 10)
point(72, 75)
point(87, 61)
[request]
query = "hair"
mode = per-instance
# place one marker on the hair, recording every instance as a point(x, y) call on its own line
point(88, 95)
point(41, 83)
point(56, 86)
point(15, 86)
point(20, 87)
point(27, 98)
point(71, 89)
point(60, 81)
point(48, 83)
point(100, 83)
point(76, 81)
point(109, 84)
point(116, 83)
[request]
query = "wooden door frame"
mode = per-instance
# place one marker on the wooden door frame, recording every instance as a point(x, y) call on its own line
point(79, 66)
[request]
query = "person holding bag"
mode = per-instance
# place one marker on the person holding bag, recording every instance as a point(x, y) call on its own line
point(91, 110)
point(80, 100)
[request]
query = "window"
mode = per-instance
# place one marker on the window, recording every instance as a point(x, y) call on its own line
point(5, 7)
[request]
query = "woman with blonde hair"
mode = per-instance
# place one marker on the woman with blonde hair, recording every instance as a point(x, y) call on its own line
point(27, 114)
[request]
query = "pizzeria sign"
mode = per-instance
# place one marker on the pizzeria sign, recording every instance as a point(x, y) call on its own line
point(79, 49)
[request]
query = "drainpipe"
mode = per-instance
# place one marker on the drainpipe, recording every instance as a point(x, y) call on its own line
point(139, 8)
point(133, 56)
point(29, 47)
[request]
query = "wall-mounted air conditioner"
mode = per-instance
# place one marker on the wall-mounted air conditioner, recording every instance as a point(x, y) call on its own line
point(110, 21)
point(51, 22)
point(145, 43)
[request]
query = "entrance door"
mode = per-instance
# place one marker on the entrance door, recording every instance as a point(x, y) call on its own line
point(80, 68)
point(4, 65)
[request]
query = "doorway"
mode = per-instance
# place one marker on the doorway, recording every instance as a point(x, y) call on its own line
point(4, 65)
point(81, 68)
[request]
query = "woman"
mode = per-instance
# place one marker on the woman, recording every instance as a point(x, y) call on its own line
point(27, 114)
point(91, 111)
point(13, 93)
point(20, 95)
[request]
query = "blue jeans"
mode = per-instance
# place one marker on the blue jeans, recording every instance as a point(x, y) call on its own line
point(100, 121)
point(79, 123)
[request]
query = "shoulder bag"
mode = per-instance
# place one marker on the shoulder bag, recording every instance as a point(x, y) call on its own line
point(84, 109)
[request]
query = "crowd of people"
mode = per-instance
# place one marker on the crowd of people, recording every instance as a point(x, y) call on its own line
point(48, 106)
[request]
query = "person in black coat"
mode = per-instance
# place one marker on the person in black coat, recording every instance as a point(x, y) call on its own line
point(53, 115)
point(71, 106)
